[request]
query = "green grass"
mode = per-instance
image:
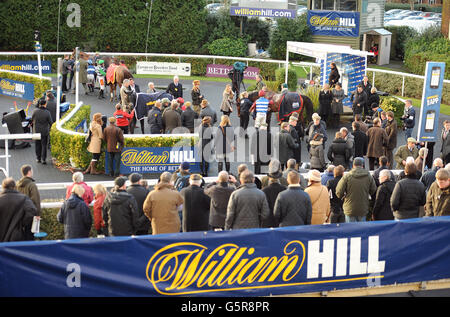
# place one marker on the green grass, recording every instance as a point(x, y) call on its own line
point(445, 109)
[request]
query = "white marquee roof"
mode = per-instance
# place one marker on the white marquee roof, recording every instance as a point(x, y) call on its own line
point(320, 50)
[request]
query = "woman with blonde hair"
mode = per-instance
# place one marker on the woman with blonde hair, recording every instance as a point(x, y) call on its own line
point(95, 143)
point(197, 97)
point(99, 196)
point(224, 139)
point(227, 101)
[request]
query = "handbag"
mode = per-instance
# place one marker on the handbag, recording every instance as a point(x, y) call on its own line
point(88, 137)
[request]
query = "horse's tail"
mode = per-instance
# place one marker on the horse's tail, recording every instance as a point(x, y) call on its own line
point(308, 108)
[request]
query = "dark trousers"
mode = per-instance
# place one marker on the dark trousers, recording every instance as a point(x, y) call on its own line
point(41, 148)
point(124, 129)
point(446, 159)
point(64, 83)
point(244, 118)
point(337, 218)
point(390, 157)
point(372, 162)
point(114, 167)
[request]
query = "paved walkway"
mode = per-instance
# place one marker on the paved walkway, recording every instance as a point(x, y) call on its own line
point(212, 91)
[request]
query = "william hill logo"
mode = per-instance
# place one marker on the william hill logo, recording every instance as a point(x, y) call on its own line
point(192, 268)
point(316, 20)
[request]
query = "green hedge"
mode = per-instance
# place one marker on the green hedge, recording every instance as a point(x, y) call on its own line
point(394, 105)
point(292, 81)
point(40, 85)
point(72, 149)
point(392, 84)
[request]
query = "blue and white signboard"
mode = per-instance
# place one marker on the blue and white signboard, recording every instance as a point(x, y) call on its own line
point(431, 102)
point(27, 66)
point(146, 160)
point(333, 23)
point(16, 89)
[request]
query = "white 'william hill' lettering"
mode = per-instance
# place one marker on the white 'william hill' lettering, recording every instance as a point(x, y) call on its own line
point(325, 258)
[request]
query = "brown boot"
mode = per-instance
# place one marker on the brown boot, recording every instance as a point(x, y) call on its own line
point(93, 169)
point(89, 169)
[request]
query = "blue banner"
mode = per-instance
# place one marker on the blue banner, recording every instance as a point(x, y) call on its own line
point(146, 160)
point(352, 69)
point(27, 66)
point(254, 262)
point(431, 102)
point(263, 13)
point(333, 23)
point(16, 89)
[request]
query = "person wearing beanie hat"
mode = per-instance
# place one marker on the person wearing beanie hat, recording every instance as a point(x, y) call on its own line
point(120, 210)
point(180, 178)
point(320, 199)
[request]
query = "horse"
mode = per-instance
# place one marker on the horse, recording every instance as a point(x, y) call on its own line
point(287, 102)
point(115, 75)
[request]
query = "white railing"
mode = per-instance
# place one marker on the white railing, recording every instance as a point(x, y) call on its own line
point(7, 137)
point(110, 184)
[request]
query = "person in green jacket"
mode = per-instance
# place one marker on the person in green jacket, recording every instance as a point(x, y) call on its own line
point(354, 188)
point(27, 186)
point(404, 152)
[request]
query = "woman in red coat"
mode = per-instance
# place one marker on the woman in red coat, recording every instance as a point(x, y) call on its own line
point(100, 194)
point(123, 118)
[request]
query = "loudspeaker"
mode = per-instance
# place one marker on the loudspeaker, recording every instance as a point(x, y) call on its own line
point(14, 120)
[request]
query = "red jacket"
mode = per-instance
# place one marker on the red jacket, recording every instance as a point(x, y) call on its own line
point(123, 117)
point(98, 213)
point(88, 196)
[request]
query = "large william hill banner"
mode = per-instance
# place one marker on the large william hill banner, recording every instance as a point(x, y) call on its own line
point(333, 23)
point(256, 262)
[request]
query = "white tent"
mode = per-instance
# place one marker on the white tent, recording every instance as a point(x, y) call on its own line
point(320, 51)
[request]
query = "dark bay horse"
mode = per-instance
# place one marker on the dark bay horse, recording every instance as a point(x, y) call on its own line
point(285, 102)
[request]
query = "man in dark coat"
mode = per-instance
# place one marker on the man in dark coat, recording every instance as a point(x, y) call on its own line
point(271, 191)
point(338, 152)
point(367, 87)
point(196, 206)
point(51, 105)
point(293, 124)
point(430, 176)
point(171, 118)
point(359, 99)
point(337, 212)
point(325, 99)
point(155, 120)
point(113, 136)
point(207, 111)
point(360, 140)
point(175, 88)
point(16, 213)
point(382, 208)
point(42, 122)
point(286, 144)
point(140, 194)
point(247, 207)
point(293, 206)
point(391, 131)
point(27, 186)
point(445, 137)
point(382, 162)
point(120, 210)
point(408, 195)
point(188, 117)
point(377, 138)
point(220, 192)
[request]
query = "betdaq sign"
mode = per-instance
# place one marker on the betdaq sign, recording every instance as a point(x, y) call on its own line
point(253, 262)
point(27, 66)
point(160, 68)
point(146, 160)
point(16, 89)
point(333, 23)
point(218, 70)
